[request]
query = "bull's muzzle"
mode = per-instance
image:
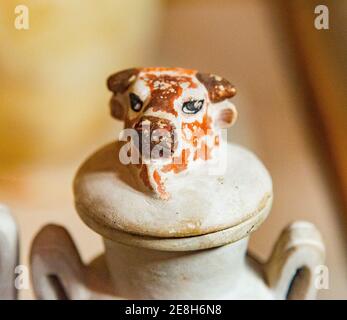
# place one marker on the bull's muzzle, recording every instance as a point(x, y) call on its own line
point(156, 137)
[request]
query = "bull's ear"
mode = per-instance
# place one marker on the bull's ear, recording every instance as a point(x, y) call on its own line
point(120, 81)
point(117, 109)
point(218, 88)
point(225, 114)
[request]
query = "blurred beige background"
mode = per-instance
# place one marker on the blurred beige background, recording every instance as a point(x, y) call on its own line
point(54, 104)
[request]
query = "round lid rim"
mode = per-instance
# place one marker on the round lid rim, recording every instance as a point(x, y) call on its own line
point(96, 219)
point(189, 243)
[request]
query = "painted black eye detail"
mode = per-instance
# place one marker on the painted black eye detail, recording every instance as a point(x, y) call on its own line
point(192, 106)
point(135, 102)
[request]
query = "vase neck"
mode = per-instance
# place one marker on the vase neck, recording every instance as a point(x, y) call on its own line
point(140, 273)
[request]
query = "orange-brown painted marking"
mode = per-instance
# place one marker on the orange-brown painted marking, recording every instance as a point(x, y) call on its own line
point(203, 153)
point(165, 89)
point(178, 164)
point(157, 179)
point(197, 129)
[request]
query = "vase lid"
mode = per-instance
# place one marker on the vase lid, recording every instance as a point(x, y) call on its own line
point(108, 200)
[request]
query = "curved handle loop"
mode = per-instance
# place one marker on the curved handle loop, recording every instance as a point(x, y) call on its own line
point(291, 269)
point(9, 254)
point(58, 271)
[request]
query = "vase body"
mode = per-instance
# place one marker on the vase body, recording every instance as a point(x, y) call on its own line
point(219, 273)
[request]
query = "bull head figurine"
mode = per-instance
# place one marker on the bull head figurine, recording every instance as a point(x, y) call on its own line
point(177, 116)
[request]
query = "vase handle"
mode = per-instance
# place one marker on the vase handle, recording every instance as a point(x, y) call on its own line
point(9, 255)
point(292, 267)
point(58, 271)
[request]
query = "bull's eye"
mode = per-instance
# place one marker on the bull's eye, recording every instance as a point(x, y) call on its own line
point(192, 106)
point(135, 102)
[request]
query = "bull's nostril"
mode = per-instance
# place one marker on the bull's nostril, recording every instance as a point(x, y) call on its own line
point(156, 137)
